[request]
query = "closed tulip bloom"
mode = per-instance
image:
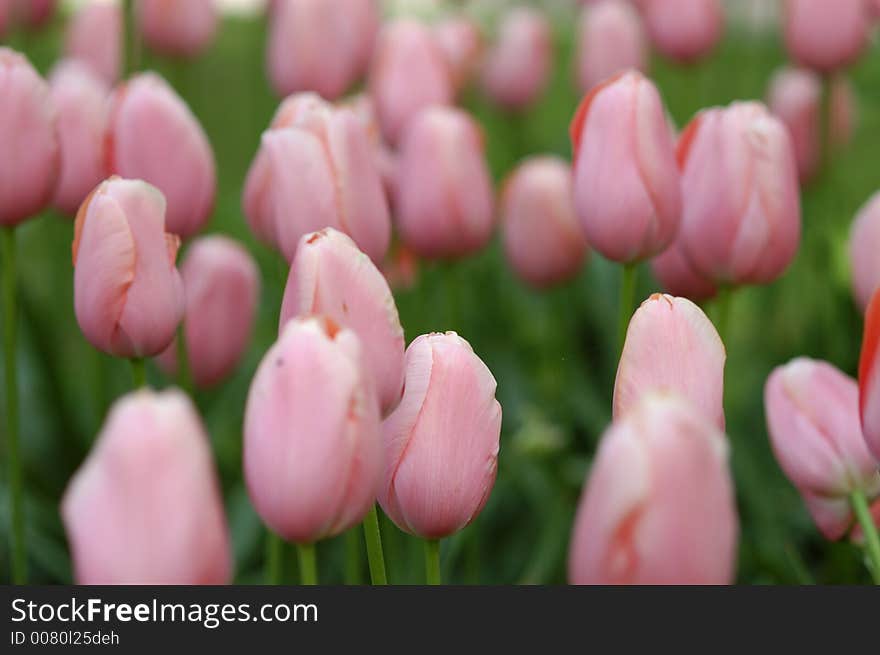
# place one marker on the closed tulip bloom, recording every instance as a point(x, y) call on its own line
point(312, 447)
point(825, 36)
point(179, 28)
point(222, 285)
point(519, 64)
point(869, 392)
point(409, 73)
point(684, 30)
point(461, 42)
point(677, 277)
point(34, 13)
point(659, 505)
point(627, 189)
point(95, 38)
point(155, 137)
point(813, 420)
point(331, 277)
point(741, 222)
point(128, 295)
point(611, 40)
point(80, 99)
point(542, 238)
point(145, 507)
point(864, 241)
point(29, 156)
point(444, 189)
point(5, 16)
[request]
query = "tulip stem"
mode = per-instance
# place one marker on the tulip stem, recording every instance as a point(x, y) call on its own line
point(353, 557)
point(869, 530)
point(627, 298)
point(374, 547)
point(184, 373)
point(723, 305)
point(432, 561)
point(19, 556)
point(308, 568)
point(132, 38)
point(826, 129)
point(138, 373)
point(274, 558)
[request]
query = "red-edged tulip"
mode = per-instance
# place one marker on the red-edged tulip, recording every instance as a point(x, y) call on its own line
point(869, 391)
point(461, 41)
point(312, 446)
point(627, 189)
point(826, 36)
point(611, 40)
point(145, 507)
point(864, 241)
point(444, 189)
point(29, 155)
point(742, 219)
point(222, 286)
point(442, 442)
point(542, 238)
point(95, 37)
point(813, 420)
point(659, 505)
point(684, 30)
point(128, 295)
point(179, 28)
point(155, 137)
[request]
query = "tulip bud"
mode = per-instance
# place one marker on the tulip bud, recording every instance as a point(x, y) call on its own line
point(444, 189)
point(178, 28)
point(659, 505)
point(29, 155)
point(442, 441)
point(408, 74)
point(825, 36)
point(626, 186)
point(222, 285)
point(742, 218)
point(542, 238)
point(331, 277)
point(864, 241)
point(5, 7)
point(145, 507)
point(317, 168)
point(677, 277)
point(869, 392)
point(33, 13)
point(95, 38)
point(128, 295)
point(519, 64)
point(461, 42)
point(813, 420)
point(80, 98)
point(684, 30)
point(611, 40)
point(154, 136)
point(312, 448)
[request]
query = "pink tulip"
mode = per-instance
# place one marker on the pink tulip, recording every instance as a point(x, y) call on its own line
point(128, 295)
point(29, 154)
point(826, 36)
point(222, 287)
point(80, 98)
point(741, 222)
point(626, 186)
point(659, 505)
point(178, 28)
point(155, 137)
point(5, 16)
point(611, 40)
point(444, 188)
point(317, 168)
point(145, 507)
point(331, 277)
point(542, 238)
point(409, 73)
point(519, 64)
point(677, 277)
point(869, 392)
point(813, 420)
point(33, 13)
point(442, 442)
point(312, 447)
point(461, 42)
point(386, 159)
point(95, 37)
point(864, 241)
point(684, 30)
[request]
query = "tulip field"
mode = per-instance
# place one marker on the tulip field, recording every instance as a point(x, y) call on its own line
point(553, 349)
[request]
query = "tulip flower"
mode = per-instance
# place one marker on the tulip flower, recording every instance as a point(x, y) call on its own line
point(154, 136)
point(95, 38)
point(825, 36)
point(145, 507)
point(677, 277)
point(741, 222)
point(128, 295)
point(222, 285)
point(80, 99)
point(611, 40)
point(33, 14)
point(409, 73)
point(461, 42)
point(177, 28)
point(659, 505)
point(542, 238)
point(518, 65)
point(864, 239)
point(5, 16)
point(317, 168)
point(331, 277)
point(869, 392)
point(444, 189)
point(684, 30)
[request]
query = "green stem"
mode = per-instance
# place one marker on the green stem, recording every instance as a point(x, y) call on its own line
point(869, 530)
point(184, 372)
point(627, 299)
point(19, 556)
point(353, 556)
point(132, 39)
point(723, 309)
point(432, 561)
point(274, 558)
point(826, 145)
point(138, 373)
point(308, 568)
point(374, 547)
